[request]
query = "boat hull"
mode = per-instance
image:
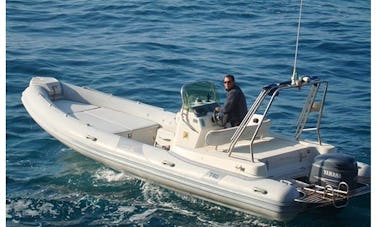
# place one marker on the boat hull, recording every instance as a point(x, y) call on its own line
point(188, 153)
point(255, 195)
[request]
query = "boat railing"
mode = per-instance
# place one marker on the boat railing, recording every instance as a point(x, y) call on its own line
point(310, 106)
point(326, 195)
point(273, 90)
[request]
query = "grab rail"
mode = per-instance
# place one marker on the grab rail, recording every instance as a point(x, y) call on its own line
point(273, 91)
point(308, 107)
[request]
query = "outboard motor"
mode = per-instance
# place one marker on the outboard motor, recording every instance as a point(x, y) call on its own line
point(331, 169)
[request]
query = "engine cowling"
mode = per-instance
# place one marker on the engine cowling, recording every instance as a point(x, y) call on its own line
point(331, 169)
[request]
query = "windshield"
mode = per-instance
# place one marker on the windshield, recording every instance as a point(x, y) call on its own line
point(198, 94)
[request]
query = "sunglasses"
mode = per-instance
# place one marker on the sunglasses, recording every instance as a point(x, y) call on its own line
point(227, 82)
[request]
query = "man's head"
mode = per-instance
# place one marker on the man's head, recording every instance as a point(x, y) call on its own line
point(229, 82)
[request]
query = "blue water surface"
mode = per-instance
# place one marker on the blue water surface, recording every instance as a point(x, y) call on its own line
point(145, 50)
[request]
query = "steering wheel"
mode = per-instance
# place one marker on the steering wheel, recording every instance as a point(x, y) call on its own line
point(217, 118)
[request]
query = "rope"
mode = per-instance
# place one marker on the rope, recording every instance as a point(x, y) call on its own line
point(294, 76)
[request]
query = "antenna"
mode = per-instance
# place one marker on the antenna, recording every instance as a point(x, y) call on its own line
point(294, 76)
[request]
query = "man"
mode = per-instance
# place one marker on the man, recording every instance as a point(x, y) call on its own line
point(235, 107)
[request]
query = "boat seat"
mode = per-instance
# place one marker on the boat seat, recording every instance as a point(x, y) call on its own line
point(223, 136)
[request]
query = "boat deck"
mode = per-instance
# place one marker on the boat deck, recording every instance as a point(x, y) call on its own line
point(110, 121)
point(284, 158)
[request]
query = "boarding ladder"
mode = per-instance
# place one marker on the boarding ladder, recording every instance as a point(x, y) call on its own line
point(273, 91)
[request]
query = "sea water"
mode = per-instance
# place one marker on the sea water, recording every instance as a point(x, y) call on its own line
point(145, 50)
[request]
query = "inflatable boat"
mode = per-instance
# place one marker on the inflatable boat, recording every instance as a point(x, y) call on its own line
point(246, 168)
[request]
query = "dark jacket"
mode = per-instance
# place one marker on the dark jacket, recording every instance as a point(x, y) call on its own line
point(235, 107)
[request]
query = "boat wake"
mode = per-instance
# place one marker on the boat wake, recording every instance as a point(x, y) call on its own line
point(109, 175)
